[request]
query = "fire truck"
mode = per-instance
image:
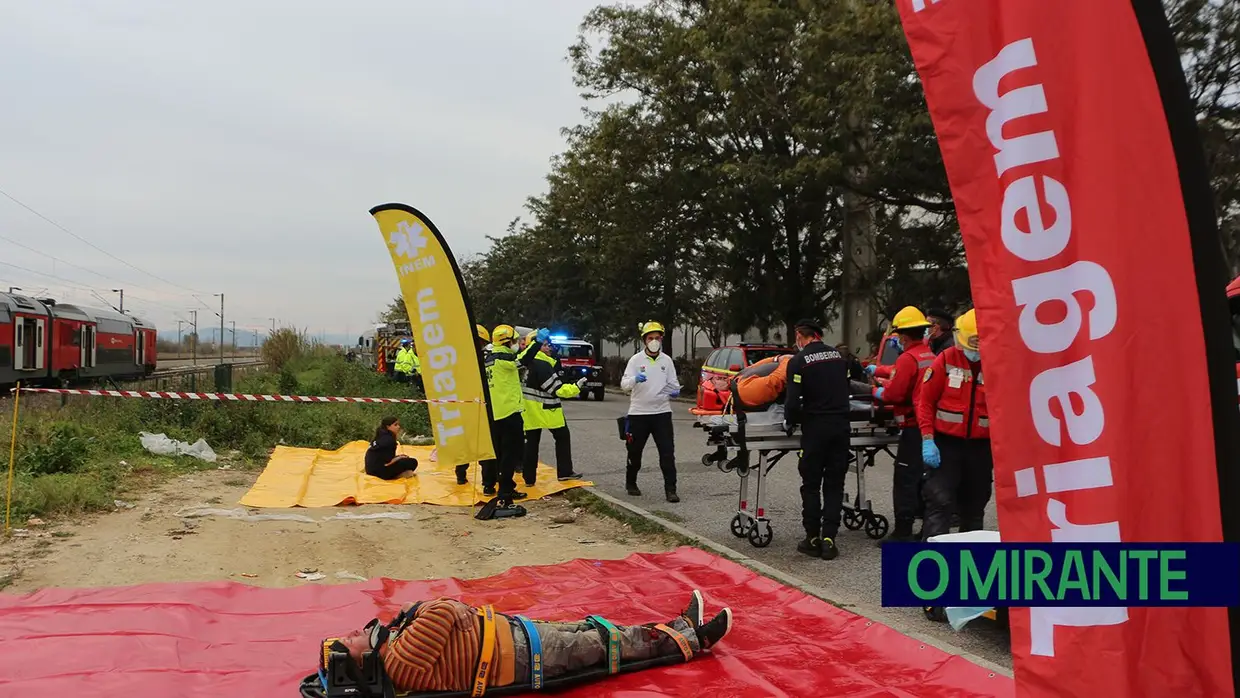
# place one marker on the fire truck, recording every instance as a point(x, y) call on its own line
point(378, 347)
point(577, 361)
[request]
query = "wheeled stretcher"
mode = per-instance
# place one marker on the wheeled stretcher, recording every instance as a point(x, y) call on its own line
point(735, 436)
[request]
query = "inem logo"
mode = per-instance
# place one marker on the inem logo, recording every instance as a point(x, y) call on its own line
point(409, 241)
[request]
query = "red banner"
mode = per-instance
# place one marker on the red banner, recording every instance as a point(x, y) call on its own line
point(1060, 159)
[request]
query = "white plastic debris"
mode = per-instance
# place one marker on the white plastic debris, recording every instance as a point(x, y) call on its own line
point(161, 445)
point(349, 575)
point(241, 515)
point(399, 515)
point(311, 576)
point(121, 504)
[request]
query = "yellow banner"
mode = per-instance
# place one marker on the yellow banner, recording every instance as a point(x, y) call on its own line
point(443, 333)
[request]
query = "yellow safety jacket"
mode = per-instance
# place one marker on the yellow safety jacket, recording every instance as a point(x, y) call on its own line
point(543, 390)
point(407, 361)
point(504, 382)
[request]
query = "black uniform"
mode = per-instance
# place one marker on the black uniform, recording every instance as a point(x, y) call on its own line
point(941, 342)
point(817, 401)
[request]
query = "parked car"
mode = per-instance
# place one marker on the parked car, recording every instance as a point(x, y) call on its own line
point(723, 363)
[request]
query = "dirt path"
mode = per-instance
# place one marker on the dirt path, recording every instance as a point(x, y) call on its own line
point(155, 542)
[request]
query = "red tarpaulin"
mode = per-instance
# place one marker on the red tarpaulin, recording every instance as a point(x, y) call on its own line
point(229, 640)
point(1071, 154)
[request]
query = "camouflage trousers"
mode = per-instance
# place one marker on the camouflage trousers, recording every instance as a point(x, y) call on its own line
point(571, 647)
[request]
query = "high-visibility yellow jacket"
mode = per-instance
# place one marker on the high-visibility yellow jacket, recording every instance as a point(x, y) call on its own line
point(407, 361)
point(543, 390)
point(503, 381)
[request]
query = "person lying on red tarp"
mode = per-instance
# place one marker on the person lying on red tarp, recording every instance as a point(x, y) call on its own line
point(447, 645)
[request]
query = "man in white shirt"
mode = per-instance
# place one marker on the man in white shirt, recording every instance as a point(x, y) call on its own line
point(650, 377)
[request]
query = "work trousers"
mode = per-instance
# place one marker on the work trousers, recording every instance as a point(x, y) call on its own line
point(641, 428)
point(960, 483)
point(508, 438)
point(570, 647)
point(823, 468)
point(908, 478)
point(563, 454)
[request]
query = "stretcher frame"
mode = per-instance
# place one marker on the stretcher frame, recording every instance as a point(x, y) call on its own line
point(734, 442)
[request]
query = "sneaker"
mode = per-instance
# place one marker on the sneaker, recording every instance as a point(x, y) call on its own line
point(515, 495)
point(712, 632)
point(528, 483)
point(571, 476)
point(829, 550)
point(633, 491)
point(672, 496)
point(693, 613)
point(489, 490)
point(810, 546)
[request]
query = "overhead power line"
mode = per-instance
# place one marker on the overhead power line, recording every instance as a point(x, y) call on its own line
point(75, 285)
point(65, 230)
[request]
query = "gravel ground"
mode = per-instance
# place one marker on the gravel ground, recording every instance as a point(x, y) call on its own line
point(708, 502)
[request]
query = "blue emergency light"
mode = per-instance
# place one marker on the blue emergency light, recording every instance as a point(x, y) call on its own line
point(559, 338)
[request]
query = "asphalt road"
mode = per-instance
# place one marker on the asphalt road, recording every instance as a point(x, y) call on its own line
point(708, 500)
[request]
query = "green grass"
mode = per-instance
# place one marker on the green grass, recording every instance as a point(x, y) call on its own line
point(77, 457)
point(638, 524)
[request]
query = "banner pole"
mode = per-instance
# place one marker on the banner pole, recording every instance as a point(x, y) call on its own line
point(1211, 274)
point(8, 498)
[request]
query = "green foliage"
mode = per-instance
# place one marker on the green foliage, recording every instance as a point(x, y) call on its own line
point(69, 459)
point(741, 140)
point(284, 345)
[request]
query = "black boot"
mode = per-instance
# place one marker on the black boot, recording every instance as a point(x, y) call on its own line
point(710, 633)
point(632, 489)
point(829, 550)
point(902, 533)
point(812, 546)
point(672, 496)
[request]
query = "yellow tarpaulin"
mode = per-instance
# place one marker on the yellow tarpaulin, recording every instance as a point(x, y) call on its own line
point(308, 477)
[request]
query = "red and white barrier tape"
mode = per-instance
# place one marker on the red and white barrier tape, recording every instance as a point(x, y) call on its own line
point(232, 397)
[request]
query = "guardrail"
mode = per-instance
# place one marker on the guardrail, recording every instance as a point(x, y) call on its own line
point(203, 377)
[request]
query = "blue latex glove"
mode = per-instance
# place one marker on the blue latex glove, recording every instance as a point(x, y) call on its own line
point(641, 378)
point(879, 393)
point(869, 370)
point(542, 335)
point(930, 453)
point(674, 393)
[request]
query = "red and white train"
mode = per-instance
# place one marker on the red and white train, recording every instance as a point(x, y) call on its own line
point(43, 342)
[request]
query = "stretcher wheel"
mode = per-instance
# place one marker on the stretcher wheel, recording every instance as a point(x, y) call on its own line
point(853, 520)
point(707, 460)
point(760, 535)
point(937, 614)
point(876, 526)
point(738, 526)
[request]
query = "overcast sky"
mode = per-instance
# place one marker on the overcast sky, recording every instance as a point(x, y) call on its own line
point(237, 146)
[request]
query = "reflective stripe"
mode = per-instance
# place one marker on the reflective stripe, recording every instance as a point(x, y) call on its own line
point(953, 417)
point(488, 651)
point(531, 634)
point(983, 422)
point(613, 642)
point(685, 648)
point(549, 385)
point(900, 419)
point(535, 395)
point(925, 363)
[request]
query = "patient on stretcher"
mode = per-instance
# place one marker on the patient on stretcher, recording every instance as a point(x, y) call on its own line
point(446, 645)
point(759, 392)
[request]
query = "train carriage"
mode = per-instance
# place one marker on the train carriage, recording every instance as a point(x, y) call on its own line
point(46, 343)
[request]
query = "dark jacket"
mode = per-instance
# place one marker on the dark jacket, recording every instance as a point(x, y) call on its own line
point(381, 452)
point(817, 384)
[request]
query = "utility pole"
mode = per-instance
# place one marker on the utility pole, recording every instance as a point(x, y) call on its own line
point(194, 345)
point(13, 288)
point(273, 324)
point(221, 326)
point(122, 292)
point(255, 340)
point(234, 336)
point(179, 323)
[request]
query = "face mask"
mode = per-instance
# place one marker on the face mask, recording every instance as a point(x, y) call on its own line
point(653, 346)
point(972, 355)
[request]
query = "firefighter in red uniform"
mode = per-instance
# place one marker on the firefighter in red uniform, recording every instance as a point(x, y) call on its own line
point(901, 391)
point(955, 432)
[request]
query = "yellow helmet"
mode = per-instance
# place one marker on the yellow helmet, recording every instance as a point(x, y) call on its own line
point(966, 331)
point(909, 318)
point(482, 333)
point(503, 333)
point(652, 326)
point(530, 337)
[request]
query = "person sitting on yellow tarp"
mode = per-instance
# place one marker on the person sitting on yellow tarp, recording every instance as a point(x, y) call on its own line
point(543, 410)
point(447, 645)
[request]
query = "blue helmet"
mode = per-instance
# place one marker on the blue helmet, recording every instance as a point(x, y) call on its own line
point(404, 342)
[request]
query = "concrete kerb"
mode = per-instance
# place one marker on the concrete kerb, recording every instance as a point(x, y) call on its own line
point(789, 580)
